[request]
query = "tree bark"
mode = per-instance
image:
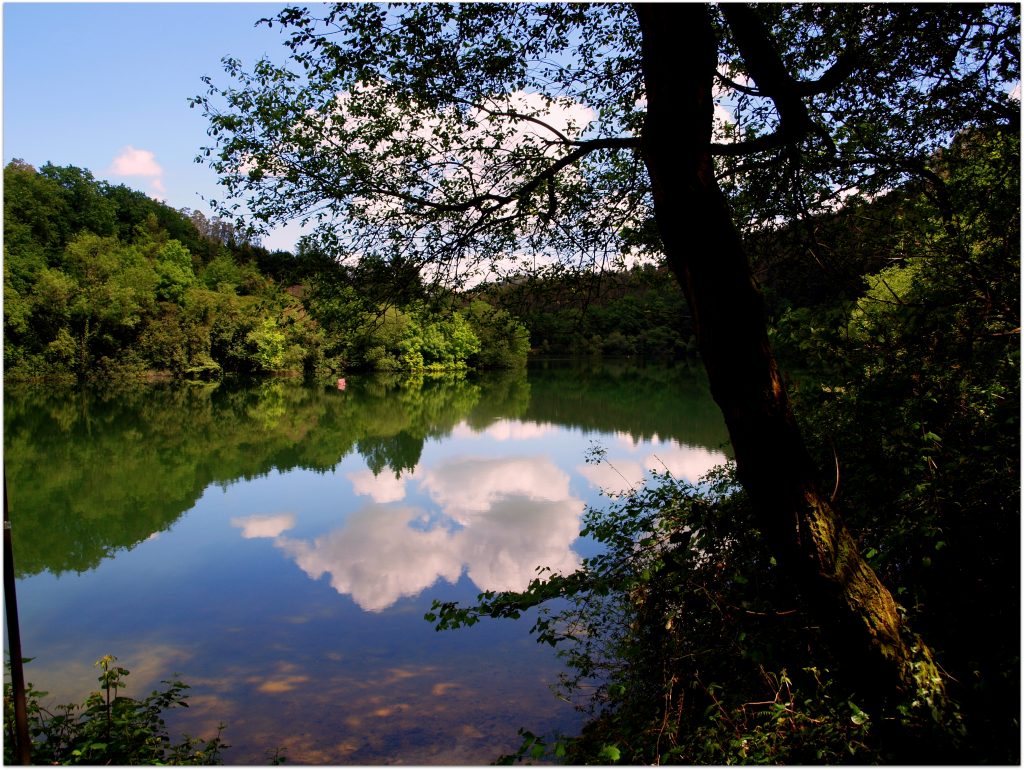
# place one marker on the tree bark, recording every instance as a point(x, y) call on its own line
point(679, 57)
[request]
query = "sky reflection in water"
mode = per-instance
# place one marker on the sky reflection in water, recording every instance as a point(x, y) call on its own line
point(496, 518)
point(240, 595)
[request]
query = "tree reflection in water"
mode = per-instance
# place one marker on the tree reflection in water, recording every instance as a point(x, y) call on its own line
point(196, 516)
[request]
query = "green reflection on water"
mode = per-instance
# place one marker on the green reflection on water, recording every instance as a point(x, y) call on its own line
point(93, 471)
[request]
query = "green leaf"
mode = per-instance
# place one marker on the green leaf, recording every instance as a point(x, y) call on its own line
point(859, 716)
point(610, 753)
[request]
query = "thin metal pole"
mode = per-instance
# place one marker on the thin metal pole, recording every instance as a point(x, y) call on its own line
point(23, 746)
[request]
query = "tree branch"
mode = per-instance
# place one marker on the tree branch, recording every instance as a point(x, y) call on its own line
point(775, 82)
point(563, 139)
point(479, 202)
point(767, 68)
point(733, 85)
point(772, 141)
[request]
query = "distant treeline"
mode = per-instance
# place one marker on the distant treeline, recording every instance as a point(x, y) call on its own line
point(638, 312)
point(102, 281)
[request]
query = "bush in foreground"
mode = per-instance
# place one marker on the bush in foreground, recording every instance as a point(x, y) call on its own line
point(108, 728)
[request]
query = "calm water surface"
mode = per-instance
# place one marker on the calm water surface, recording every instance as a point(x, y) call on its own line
point(277, 543)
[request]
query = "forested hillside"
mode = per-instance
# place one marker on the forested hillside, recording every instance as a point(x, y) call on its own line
point(911, 393)
point(638, 312)
point(102, 281)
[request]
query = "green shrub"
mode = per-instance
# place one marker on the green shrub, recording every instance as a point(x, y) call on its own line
point(686, 643)
point(108, 728)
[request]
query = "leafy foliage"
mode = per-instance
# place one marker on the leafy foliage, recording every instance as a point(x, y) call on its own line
point(675, 642)
point(685, 640)
point(637, 312)
point(121, 295)
point(504, 341)
point(109, 728)
point(918, 410)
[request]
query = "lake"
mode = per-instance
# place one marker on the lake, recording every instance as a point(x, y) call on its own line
point(275, 544)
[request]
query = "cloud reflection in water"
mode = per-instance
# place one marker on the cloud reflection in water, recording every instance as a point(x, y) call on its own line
point(382, 488)
point(621, 473)
point(264, 526)
point(500, 520)
point(377, 557)
point(496, 519)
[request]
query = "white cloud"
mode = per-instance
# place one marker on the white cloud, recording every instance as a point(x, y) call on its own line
point(142, 163)
point(684, 462)
point(503, 547)
point(382, 488)
point(264, 526)
point(564, 116)
point(515, 515)
point(506, 430)
point(377, 557)
point(723, 114)
point(133, 162)
point(467, 486)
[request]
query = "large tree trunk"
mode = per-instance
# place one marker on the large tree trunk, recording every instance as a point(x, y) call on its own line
point(680, 52)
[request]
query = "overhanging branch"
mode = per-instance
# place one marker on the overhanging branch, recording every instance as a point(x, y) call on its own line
point(489, 201)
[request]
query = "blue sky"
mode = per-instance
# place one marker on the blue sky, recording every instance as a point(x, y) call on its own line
point(105, 86)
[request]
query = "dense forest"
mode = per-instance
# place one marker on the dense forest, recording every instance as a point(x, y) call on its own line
point(101, 281)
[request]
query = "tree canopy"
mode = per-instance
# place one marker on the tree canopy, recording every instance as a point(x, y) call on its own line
point(495, 136)
point(477, 141)
point(102, 281)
